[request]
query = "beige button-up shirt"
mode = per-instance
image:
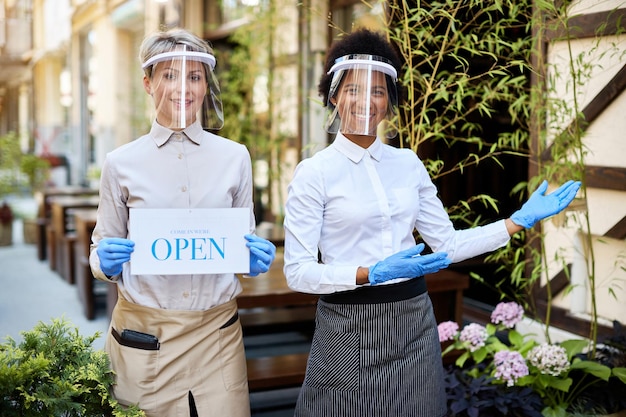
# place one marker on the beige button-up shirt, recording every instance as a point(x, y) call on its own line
point(167, 169)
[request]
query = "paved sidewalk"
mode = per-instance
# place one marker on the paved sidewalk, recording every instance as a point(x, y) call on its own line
point(30, 292)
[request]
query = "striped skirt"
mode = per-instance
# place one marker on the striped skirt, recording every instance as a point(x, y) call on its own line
point(374, 359)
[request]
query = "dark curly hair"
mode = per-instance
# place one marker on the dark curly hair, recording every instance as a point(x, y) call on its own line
point(361, 41)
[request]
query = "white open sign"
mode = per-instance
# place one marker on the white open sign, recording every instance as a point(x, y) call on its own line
point(189, 241)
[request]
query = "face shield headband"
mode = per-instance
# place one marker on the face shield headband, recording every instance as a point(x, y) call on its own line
point(363, 97)
point(185, 89)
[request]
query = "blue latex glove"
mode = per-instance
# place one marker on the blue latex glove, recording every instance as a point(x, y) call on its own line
point(540, 206)
point(262, 254)
point(113, 252)
point(408, 263)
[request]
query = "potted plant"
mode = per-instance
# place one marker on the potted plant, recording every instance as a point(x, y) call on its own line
point(6, 224)
point(20, 173)
point(36, 169)
point(56, 372)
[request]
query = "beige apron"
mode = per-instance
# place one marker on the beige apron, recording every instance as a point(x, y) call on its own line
point(197, 354)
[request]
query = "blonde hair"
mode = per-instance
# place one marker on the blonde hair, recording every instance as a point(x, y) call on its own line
point(165, 41)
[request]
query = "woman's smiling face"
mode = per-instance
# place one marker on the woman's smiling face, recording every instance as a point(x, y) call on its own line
point(362, 101)
point(178, 88)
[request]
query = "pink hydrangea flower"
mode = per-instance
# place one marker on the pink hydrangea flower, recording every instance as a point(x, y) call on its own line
point(510, 366)
point(447, 330)
point(475, 334)
point(508, 314)
point(549, 359)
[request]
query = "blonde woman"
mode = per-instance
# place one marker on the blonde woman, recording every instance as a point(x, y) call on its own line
point(175, 341)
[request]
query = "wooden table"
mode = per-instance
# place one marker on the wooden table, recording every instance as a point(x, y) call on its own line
point(44, 211)
point(61, 232)
point(270, 290)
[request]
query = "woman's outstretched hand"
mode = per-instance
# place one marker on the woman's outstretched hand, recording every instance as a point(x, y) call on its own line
point(540, 206)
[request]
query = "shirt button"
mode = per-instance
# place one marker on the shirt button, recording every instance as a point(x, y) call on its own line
point(185, 294)
point(183, 188)
point(180, 156)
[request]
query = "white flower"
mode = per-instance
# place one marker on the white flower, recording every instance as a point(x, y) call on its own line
point(549, 359)
point(475, 334)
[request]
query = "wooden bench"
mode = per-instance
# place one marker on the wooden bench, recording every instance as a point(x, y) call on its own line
point(275, 372)
point(84, 221)
point(44, 236)
point(446, 293)
point(89, 289)
point(277, 320)
point(63, 235)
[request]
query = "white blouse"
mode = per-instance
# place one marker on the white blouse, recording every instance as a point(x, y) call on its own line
point(359, 206)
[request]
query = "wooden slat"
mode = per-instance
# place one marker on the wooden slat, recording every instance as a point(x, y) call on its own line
point(273, 372)
point(590, 25)
point(606, 178)
point(561, 280)
point(562, 318)
point(557, 284)
point(618, 231)
point(596, 106)
point(277, 320)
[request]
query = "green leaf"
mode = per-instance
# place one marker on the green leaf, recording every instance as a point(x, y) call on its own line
point(515, 338)
point(594, 368)
point(460, 361)
point(559, 383)
point(574, 347)
point(558, 411)
point(619, 373)
point(479, 355)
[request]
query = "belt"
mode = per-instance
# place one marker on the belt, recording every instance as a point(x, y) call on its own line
point(377, 294)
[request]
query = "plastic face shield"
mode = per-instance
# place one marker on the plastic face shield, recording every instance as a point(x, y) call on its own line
point(185, 89)
point(362, 95)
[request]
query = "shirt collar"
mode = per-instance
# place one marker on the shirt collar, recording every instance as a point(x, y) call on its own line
point(354, 152)
point(161, 134)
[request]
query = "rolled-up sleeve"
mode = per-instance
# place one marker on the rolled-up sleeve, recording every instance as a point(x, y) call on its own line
point(112, 218)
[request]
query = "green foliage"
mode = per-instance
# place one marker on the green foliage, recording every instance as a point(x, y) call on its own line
point(36, 170)
point(19, 170)
point(10, 154)
point(250, 91)
point(242, 123)
point(467, 69)
point(469, 65)
point(56, 372)
point(561, 154)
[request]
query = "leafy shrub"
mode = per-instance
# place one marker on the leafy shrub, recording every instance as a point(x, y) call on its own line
point(56, 372)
